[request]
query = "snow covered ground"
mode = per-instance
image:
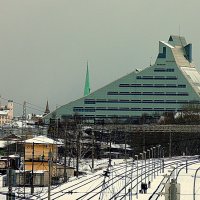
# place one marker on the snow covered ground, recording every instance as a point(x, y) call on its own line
point(109, 183)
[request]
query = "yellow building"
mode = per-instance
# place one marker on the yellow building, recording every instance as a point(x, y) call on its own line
point(38, 150)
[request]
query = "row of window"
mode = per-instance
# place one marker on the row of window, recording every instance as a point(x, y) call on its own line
point(163, 70)
point(150, 93)
point(93, 101)
point(157, 77)
point(153, 85)
point(82, 109)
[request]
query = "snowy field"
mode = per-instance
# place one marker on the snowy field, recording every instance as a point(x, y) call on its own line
point(122, 180)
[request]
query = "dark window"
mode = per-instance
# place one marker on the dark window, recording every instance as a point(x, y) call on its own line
point(100, 108)
point(170, 101)
point(159, 85)
point(136, 101)
point(182, 94)
point(101, 100)
point(112, 93)
point(112, 108)
point(171, 78)
point(182, 86)
point(163, 70)
point(159, 93)
point(124, 101)
point(159, 101)
point(136, 109)
point(124, 93)
point(147, 85)
point(170, 93)
point(147, 93)
point(89, 101)
point(147, 101)
point(163, 54)
point(124, 109)
point(135, 85)
point(124, 85)
point(159, 77)
point(171, 85)
point(112, 101)
point(146, 109)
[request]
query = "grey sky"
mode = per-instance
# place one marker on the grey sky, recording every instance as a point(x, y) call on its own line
point(45, 44)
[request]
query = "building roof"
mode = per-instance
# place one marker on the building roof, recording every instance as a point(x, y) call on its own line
point(42, 140)
point(4, 112)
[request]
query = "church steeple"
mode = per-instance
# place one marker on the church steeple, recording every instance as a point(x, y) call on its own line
point(87, 83)
point(47, 111)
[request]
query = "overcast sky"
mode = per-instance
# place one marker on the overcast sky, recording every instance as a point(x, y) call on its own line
point(45, 44)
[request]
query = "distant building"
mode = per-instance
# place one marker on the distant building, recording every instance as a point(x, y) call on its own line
point(166, 86)
point(47, 111)
point(6, 113)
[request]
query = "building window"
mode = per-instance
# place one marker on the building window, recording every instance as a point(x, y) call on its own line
point(163, 70)
point(163, 54)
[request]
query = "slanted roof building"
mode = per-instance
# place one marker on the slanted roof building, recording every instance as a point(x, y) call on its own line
point(168, 85)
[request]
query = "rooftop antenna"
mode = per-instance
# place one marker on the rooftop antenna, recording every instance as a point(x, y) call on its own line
point(179, 30)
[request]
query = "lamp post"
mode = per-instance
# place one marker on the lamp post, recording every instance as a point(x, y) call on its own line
point(152, 164)
point(145, 175)
point(148, 164)
point(158, 159)
point(141, 165)
point(163, 156)
point(137, 178)
point(154, 148)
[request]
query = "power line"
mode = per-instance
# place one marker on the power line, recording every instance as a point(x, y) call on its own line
point(21, 104)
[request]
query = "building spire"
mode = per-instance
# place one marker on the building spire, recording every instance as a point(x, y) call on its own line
point(87, 82)
point(47, 111)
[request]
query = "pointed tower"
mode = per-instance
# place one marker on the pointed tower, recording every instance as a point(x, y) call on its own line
point(47, 111)
point(87, 83)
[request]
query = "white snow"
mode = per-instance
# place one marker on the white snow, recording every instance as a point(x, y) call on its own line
point(92, 183)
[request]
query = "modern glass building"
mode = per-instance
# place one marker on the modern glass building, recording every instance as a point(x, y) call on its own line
point(166, 86)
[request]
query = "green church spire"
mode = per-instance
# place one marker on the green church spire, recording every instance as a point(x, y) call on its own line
point(87, 83)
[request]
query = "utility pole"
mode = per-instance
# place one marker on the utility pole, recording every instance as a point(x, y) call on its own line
point(65, 158)
point(78, 152)
point(32, 177)
point(110, 150)
point(145, 158)
point(50, 166)
point(137, 177)
point(10, 176)
point(92, 151)
point(23, 127)
point(170, 144)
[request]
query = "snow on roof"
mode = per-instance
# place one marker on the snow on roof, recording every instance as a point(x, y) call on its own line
point(167, 44)
point(4, 112)
point(42, 140)
point(120, 146)
point(4, 143)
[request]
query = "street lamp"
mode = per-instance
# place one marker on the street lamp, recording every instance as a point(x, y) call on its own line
point(144, 152)
point(152, 165)
point(158, 160)
point(163, 160)
point(154, 148)
point(148, 164)
point(137, 178)
point(141, 165)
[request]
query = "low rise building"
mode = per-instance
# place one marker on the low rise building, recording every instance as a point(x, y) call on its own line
point(6, 113)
